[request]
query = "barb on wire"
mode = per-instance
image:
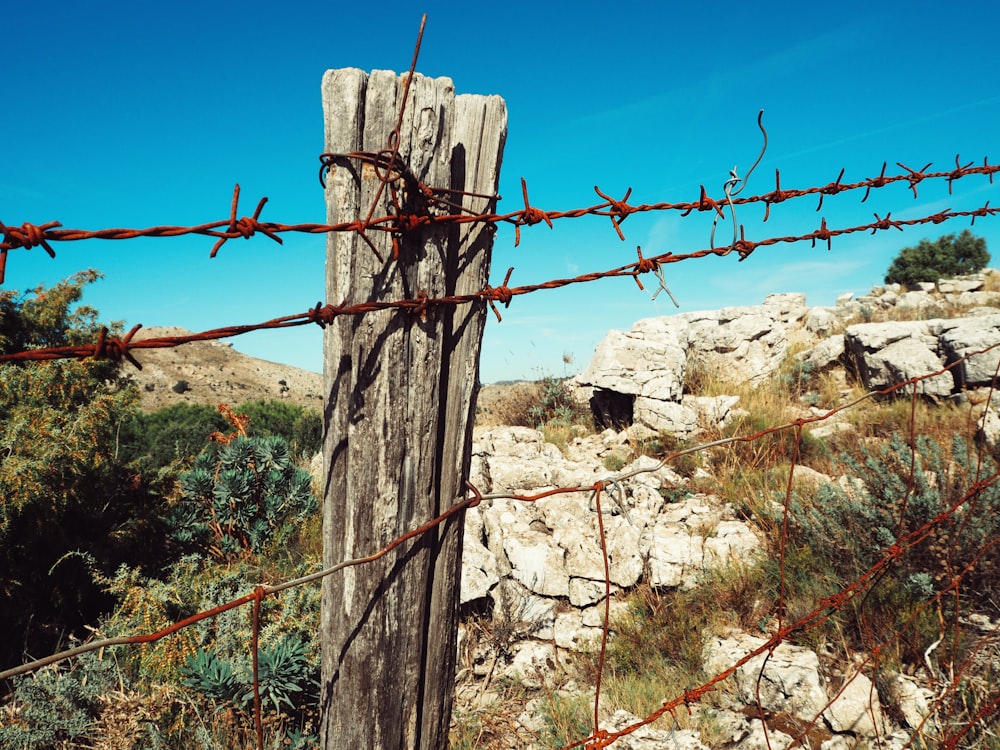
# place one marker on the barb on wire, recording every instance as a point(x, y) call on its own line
point(245, 227)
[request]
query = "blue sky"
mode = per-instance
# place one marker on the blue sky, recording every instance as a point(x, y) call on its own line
point(136, 115)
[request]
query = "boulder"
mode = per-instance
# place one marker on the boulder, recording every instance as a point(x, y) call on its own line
point(914, 701)
point(666, 416)
point(649, 738)
point(962, 337)
point(886, 354)
point(821, 320)
point(826, 354)
point(479, 567)
point(711, 412)
point(856, 709)
point(961, 284)
point(507, 459)
point(786, 681)
point(738, 343)
point(647, 361)
point(639, 375)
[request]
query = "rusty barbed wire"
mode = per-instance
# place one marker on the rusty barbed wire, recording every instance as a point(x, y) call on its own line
point(416, 206)
point(28, 235)
point(121, 348)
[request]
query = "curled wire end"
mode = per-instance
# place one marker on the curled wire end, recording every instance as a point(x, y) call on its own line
point(617, 495)
point(731, 190)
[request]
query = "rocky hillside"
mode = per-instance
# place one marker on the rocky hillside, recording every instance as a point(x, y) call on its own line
point(212, 372)
point(537, 567)
point(652, 375)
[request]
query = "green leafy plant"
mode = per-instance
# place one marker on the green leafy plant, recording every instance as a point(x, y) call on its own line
point(64, 486)
point(241, 497)
point(285, 677)
point(944, 257)
point(211, 676)
point(55, 708)
point(555, 404)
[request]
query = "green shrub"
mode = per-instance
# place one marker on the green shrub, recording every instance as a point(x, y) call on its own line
point(212, 658)
point(301, 428)
point(173, 433)
point(54, 708)
point(854, 527)
point(946, 256)
point(64, 486)
point(285, 677)
point(556, 404)
point(242, 497)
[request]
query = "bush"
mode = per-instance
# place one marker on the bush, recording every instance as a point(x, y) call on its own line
point(285, 677)
point(947, 256)
point(848, 530)
point(301, 428)
point(179, 432)
point(242, 497)
point(64, 486)
point(212, 658)
point(54, 708)
point(173, 433)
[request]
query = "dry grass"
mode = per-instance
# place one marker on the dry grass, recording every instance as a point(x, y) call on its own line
point(507, 405)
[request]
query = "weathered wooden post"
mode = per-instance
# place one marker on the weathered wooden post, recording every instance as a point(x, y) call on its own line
point(401, 390)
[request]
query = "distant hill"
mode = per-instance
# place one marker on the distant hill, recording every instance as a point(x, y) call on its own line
point(212, 372)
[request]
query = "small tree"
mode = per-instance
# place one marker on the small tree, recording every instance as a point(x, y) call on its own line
point(64, 487)
point(947, 256)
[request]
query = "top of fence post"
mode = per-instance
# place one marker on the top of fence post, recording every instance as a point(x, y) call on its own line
point(401, 391)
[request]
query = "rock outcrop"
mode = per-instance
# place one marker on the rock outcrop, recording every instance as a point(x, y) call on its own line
point(541, 570)
point(538, 569)
point(639, 376)
point(550, 548)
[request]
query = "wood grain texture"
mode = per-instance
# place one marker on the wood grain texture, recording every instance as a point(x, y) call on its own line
point(400, 402)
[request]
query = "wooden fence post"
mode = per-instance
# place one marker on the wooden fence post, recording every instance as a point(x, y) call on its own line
point(401, 390)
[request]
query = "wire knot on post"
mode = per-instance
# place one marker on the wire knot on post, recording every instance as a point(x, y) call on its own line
point(420, 305)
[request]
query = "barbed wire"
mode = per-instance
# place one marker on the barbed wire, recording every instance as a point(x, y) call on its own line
point(28, 235)
point(118, 348)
